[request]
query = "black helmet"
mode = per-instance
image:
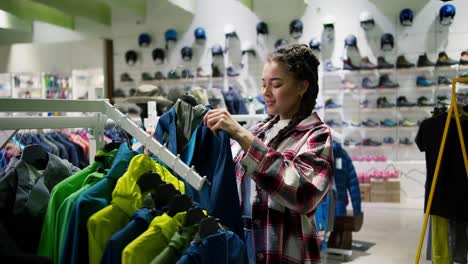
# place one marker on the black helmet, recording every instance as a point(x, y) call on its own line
point(351, 41)
point(386, 42)
point(158, 55)
point(186, 53)
point(280, 43)
point(262, 28)
point(131, 57)
point(295, 28)
point(217, 50)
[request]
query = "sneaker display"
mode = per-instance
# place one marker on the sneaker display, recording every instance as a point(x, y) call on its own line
point(201, 73)
point(445, 60)
point(332, 123)
point(385, 82)
point(231, 72)
point(371, 142)
point(345, 84)
point(443, 100)
point(407, 123)
point(421, 81)
point(354, 123)
point(367, 83)
point(403, 63)
point(146, 76)
point(351, 142)
point(330, 104)
point(366, 64)
point(173, 75)
point(388, 123)
point(464, 58)
point(125, 77)
point(186, 74)
point(365, 103)
point(443, 80)
point(403, 102)
point(348, 65)
point(423, 101)
point(383, 64)
point(388, 140)
point(215, 71)
point(382, 102)
point(370, 123)
point(423, 61)
point(159, 76)
point(328, 66)
point(406, 141)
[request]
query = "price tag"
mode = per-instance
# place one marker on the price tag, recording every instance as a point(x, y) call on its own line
point(338, 164)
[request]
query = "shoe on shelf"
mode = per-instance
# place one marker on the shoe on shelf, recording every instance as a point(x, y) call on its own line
point(385, 82)
point(330, 104)
point(186, 74)
point(354, 123)
point(215, 71)
point(423, 61)
point(388, 140)
point(345, 84)
point(403, 102)
point(445, 60)
point(367, 83)
point(443, 100)
point(407, 123)
point(328, 66)
point(383, 64)
point(406, 141)
point(231, 72)
point(403, 63)
point(201, 73)
point(333, 123)
point(348, 65)
point(421, 81)
point(173, 75)
point(159, 76)
point(388, 123)
point(146, 76)
point(370, 123)
point(382, 102)
point(423, 101)
point(442, 80)
point(464, 58)
point(125, 77)
point(351, 142)
point(371, 142)
point(366, 64)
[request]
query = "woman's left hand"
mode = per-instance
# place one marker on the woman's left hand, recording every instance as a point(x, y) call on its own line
point(221, 119)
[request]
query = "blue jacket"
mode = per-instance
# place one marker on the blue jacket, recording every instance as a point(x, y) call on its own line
point(234, 102)
point(346, 180)
point(222, 247)
point(75, 249)
point(211, 156)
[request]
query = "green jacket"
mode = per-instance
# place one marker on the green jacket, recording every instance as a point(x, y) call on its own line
point(48, 244)
point(126, 200)
point(177, 245)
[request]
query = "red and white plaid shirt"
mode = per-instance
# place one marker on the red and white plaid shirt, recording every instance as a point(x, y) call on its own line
point(290, 182)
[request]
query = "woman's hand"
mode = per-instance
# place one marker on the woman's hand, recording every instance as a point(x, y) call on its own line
point(221, 119)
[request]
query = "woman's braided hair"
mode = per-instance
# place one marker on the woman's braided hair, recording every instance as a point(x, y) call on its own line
point(301, 62)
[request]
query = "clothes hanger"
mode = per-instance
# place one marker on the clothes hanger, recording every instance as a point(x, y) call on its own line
point(163, 195)
point(194, 216)
point(179, 203)
point(149, 181)
point(208, 226)
point(188, 99)
point(35, 156)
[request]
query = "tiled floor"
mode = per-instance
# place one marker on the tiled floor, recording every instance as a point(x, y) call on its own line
point(395, 231)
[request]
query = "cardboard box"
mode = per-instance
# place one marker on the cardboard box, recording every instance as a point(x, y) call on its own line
point(365, 192)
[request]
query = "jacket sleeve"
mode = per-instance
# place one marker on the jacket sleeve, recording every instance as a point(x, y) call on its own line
point(352, 183)
point(296, 180)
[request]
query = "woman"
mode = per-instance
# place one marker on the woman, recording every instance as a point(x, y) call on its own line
point(284, 167)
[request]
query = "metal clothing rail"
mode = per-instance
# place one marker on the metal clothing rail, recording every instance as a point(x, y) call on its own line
point(452, 110)
point(103, 110)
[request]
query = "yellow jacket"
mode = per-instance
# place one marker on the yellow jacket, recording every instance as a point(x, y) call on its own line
point(126, 200)
point(154, 240)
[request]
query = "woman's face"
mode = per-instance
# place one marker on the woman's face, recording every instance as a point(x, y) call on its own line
point(281, 90)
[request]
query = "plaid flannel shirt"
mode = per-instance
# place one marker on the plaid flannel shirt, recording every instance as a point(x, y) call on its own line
point(290, 183)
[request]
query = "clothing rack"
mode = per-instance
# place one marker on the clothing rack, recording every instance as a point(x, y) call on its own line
point(453, 110)
point(100, 111)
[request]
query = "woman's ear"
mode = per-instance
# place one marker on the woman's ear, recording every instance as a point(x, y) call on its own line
point(303, 85)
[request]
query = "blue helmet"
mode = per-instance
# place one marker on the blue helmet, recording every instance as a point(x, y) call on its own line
point(351, 41)
point(447, 11)
point(144, 40)
point(406, 17)
point(217, 50)
point(200, 33)
point(295, 28)
point(170, 34)
point(280, 43)
point(314, 44)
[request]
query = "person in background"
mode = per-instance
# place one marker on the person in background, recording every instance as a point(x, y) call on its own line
point(284, 165)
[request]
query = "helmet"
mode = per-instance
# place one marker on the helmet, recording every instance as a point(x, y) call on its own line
point(367, 20)
point(158, 55)
point(446, 14)
point(230, 30)
point(351, 41)
point(217, 50)
point(295, 28)
point(280, 43)
point(200, 33)
point(329, 22)
point(131, 57)
point(171, 34)
point(386, 42)
point(144, 40)
point(406, 17)
point(186, 53)
point(248, 47)
point(262, 28)
point(314, 44)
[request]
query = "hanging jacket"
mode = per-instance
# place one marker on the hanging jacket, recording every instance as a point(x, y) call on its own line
point(346, 181)
point(211, 156)
point(48, 245)
point(126, 200)
point(223, 247)
point(177, 245)
point(24, 197)
point(154, 240)
point(75, 249)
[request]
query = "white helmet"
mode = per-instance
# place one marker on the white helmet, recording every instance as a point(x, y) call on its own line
point(366, 16)
point(247, 45)
point(229, 29)
point(329, 20)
